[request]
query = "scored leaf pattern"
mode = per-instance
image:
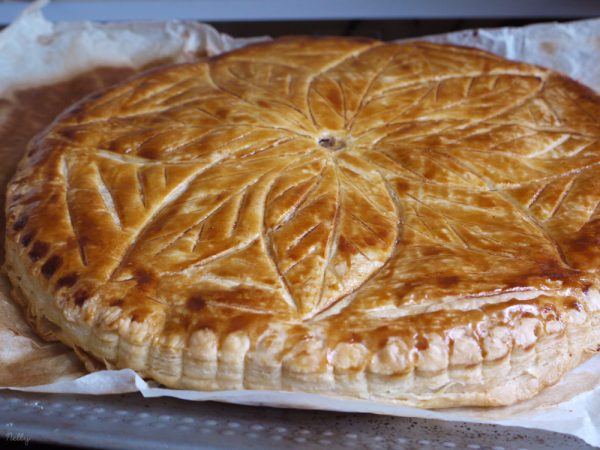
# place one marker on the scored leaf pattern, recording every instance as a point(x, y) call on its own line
point(305, 177)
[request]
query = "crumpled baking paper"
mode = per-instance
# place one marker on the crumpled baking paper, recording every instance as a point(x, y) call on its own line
point(45, 67)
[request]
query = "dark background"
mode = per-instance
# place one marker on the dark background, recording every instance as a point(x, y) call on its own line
point(378, 29)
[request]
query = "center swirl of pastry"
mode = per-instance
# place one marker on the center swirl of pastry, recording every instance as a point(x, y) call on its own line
point(331, 142)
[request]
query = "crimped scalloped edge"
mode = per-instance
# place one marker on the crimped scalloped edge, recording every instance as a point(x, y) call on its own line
point(197, 362)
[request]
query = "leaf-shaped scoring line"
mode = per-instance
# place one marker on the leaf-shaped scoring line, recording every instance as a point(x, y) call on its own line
point(171, 198)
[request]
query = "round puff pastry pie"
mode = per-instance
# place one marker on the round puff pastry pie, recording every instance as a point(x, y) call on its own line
point(413, 223)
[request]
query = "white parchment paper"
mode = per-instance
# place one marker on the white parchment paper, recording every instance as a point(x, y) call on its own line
point(35, 52)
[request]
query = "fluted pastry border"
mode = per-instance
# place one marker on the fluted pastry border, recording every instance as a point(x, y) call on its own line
point(533, 355)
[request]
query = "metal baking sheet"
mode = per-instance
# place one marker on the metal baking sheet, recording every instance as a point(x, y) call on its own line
point(131, 421)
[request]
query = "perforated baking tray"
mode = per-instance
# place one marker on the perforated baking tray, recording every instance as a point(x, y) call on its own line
point(131, 421)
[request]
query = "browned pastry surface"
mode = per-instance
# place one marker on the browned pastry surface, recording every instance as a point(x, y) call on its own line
point(406, 222)
point(23, 114)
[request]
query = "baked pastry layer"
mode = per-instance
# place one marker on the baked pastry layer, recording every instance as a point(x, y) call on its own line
point(413, 223)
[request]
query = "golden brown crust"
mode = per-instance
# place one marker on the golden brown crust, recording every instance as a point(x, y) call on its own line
point(408, 222)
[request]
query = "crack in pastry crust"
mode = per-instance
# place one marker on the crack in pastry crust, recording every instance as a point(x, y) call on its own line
point(414, 223)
